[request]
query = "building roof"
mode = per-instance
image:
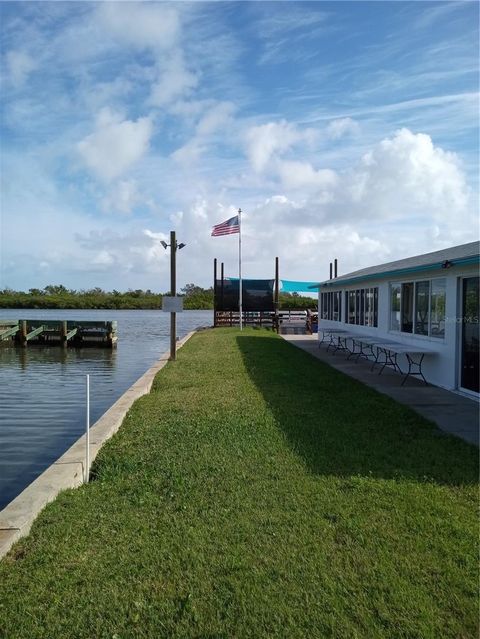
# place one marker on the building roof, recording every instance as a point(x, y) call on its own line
point(463, 254)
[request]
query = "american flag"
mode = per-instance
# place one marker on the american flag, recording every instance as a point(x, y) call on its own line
point(227, 228)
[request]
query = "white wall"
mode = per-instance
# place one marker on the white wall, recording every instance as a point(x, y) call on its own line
point(441, 368)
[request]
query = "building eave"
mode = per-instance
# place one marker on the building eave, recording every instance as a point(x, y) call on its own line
point(444, 265)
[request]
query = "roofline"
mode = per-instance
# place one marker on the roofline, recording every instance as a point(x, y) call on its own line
point(472, 259)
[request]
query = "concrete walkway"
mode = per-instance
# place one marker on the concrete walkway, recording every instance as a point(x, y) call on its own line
point(453, 413)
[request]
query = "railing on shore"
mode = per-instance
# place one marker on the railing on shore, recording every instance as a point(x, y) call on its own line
point(232, 318)
point(58, 333)
point(287, 321)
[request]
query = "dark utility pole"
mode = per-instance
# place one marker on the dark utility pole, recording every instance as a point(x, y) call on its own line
point(173, 292)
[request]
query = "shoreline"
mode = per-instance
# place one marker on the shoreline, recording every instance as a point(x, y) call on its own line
point(68, 470)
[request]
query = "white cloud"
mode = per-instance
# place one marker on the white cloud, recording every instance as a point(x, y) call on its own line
point(273, 139)
point(175, 81)
point(402, 177)
point(218, 116)
point(115, 145)
point(296, 175)
point(122, 197)
point(103, 258)
point(19, 66)
point(96, 95)
point(189, 152)
point(141, 24)
point(407, 175)
point(341, 127)
point(137, 251)
point(404, 197)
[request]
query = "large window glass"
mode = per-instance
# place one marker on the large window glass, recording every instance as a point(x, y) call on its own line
point(407, 308)
point(351, 307)
point(395, 307)
point(470, 378)
point(337, 306)
point(362, 306)
point(422, 302)
point(331, 306)
point(369, 307)
point(437, 308)
point(418, 307)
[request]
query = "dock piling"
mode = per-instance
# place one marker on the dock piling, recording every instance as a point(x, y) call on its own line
point(62, 333)
point(87, 433)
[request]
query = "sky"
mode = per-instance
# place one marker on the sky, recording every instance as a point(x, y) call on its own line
point(344, 130)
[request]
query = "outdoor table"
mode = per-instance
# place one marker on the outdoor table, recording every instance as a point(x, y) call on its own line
point(356, 339)
point(393, 350)
point(369, 342)
point(330, 332)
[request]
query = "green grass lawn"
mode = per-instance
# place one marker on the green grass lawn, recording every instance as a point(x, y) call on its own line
point(256, 492)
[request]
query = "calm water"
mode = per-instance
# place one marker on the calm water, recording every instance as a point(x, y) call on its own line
point(42, 390)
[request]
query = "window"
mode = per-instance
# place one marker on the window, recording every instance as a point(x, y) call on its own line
point(407, 308)
point(362, 306)
point(337, 303)
point(371, 306)
point(437, 308)
point(422, 311)
point(331, 306)
point(350, 301)
point(418, 307)
point(395, 307)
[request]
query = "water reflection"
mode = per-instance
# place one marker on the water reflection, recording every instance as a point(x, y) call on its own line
point(42, 389)
point(32, 355)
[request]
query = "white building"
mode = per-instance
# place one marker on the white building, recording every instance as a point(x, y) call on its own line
point(429, 301)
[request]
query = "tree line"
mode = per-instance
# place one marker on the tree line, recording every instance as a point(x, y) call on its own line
point(58, 296)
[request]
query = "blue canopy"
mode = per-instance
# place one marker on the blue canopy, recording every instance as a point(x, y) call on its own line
point(291, 286)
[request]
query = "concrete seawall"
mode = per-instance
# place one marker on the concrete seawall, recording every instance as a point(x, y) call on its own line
point(18, 516)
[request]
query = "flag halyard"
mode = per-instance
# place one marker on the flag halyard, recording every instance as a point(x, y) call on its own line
point(227, 228)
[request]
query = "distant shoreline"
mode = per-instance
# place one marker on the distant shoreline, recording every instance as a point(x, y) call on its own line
point(96, 308)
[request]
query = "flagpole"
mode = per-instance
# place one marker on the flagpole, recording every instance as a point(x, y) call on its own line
point(240, 266)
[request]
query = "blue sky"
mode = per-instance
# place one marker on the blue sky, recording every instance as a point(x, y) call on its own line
point(342, 129)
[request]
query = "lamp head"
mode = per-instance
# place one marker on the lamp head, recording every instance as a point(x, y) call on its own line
point(164, 244)
point(181, 245)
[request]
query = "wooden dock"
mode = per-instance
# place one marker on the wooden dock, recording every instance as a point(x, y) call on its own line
point(232, 318)
point(62, 333)
point(293, 322)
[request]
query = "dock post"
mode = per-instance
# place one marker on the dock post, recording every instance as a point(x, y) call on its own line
point(23, 333)
point(63, 334)
point(110, 341)
point(87, 432)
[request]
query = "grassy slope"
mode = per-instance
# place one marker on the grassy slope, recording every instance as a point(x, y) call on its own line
point(256, 493)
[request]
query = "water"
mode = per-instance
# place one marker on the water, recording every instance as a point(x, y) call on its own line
point(42, 390)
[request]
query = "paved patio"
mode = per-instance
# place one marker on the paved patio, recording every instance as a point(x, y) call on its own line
point(453, 413)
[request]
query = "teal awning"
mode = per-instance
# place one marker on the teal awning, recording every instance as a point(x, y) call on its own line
point(288, 286)
point(292, 286)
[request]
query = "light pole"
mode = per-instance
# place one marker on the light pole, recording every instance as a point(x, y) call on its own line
point(173, 290)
